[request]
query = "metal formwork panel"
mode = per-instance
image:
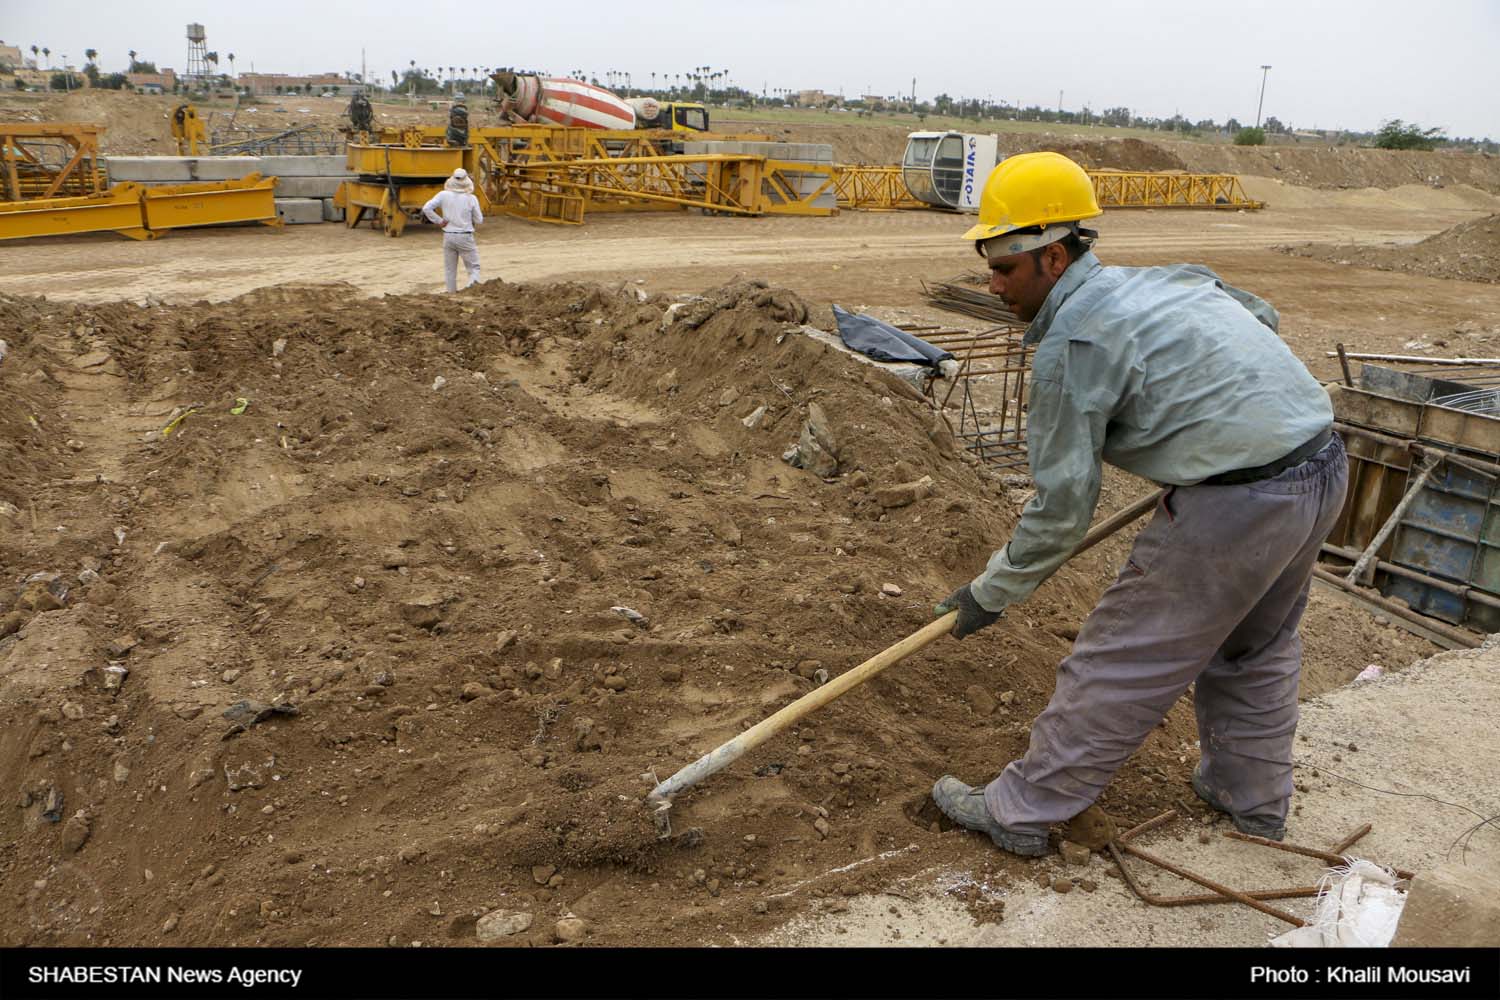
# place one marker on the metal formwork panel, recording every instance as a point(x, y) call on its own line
point(218, 203)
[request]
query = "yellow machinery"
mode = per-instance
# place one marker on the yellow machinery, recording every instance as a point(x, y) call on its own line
point(875, 189)
point(396, 179)
point(189, 131)
point(1139, 189)
point(561, 191)
point(49, 161)
point(144, 213)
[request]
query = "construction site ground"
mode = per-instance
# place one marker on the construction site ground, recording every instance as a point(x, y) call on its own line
point(417, 530)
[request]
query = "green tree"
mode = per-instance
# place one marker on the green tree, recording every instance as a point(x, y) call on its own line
point(1396, 134)
point(1250, 137)
point(65, 81)
point(115, 81)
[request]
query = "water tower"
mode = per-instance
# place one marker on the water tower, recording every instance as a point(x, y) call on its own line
point(197, 61)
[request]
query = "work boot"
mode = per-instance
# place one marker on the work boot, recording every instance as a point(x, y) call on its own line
point(964, 804)
point(1244, 824)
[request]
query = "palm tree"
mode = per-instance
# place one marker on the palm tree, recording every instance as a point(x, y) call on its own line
point(48, 53)
point(132, 60)
point(91, 54)
point(231, 68)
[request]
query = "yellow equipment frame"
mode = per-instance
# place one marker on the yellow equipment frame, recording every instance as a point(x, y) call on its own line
point(389, 204)
point(190, 132)
point(875, 189)
point(116, 210)
point(143, 213)
point(1140, 189)
point(24, 168)
point(251, 198)
point(561, 191)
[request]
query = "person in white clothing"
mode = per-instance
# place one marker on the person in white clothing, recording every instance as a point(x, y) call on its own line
point(457, 210)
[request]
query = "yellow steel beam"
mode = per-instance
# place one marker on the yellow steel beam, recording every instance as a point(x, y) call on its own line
point(178, 206)
point(872, 188)
point(732, 184)
point(117, 210)
point(1141, 189)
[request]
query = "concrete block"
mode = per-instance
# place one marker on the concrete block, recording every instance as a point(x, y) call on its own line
point(305, 166)
point(1451, 906)
point(297, 211)
point(161, 169)
point(225, 168)
point(308, 187)
point(331, 212)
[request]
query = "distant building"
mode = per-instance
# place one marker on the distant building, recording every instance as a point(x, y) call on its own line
point(153, 83)
point(268, 83)
point(10, 55)
point(813, 99)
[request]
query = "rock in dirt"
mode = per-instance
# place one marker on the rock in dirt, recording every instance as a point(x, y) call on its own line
point(585, 737)
point(121, 646)
point(891, 590)
point(541, 873)
point(423, 612)
point(570, 929)
point(244, 774)
point(816, 449)
point(1092, 828)
point(980, 700)
point(472, 690)
point(44, 592)
point(1060, 884)
point(114, 676)
point(501, 923)
point(248, 712)
point(729, 396)
point(76, 832)
point(506, 639)
point(904, 494)
point(756, 416)
point(52, 805)
point(1073, 854)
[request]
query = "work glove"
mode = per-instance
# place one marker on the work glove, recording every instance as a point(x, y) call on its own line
point(971, 617)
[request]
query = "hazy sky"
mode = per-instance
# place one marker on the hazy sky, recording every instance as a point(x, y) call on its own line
point(1334, 64)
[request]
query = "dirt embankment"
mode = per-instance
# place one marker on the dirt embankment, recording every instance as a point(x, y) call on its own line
point(350, 666)
point(1469, 251)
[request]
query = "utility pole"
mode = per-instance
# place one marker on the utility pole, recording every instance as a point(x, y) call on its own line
point(913, 95)
point(1263, 71)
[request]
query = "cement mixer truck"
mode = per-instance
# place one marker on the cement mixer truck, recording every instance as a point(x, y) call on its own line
point(526, 97)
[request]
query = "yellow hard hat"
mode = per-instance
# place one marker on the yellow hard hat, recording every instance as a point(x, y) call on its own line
point(1033, 189)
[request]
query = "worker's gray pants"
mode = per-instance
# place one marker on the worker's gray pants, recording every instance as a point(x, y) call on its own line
point(1212, 593)
point(456, 245)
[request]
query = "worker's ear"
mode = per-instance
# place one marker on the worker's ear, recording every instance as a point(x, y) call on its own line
point(1055, 260)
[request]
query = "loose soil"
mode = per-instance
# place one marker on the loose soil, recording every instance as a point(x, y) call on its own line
point(379, 683)
point(1469, 251)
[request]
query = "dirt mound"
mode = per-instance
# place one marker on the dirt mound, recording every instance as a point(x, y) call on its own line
point(1110, 154)
point(1469, 251)
point(372, 615)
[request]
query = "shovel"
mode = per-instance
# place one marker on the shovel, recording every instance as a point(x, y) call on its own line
point(660, 798)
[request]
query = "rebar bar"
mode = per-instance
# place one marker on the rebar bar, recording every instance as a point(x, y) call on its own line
point(1309, 852)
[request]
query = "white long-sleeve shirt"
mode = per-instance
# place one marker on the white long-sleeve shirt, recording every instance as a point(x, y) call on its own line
point(461, 211)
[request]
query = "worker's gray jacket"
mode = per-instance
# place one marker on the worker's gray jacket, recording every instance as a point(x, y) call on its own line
point(1166, 372)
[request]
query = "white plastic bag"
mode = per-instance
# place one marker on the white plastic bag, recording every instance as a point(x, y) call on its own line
point(1358, 907)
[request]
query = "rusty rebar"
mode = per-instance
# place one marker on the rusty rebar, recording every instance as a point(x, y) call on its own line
point(1208, 883)
point(1150, 824)
point(1309, 852)
point(1352, 839)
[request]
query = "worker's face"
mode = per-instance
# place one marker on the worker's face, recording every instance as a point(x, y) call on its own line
point(1022, 280)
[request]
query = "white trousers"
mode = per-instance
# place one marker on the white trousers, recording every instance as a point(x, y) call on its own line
point(456, 245)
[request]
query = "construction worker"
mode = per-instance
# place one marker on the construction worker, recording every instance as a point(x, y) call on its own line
point(1168, 373)
point(457, 210)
